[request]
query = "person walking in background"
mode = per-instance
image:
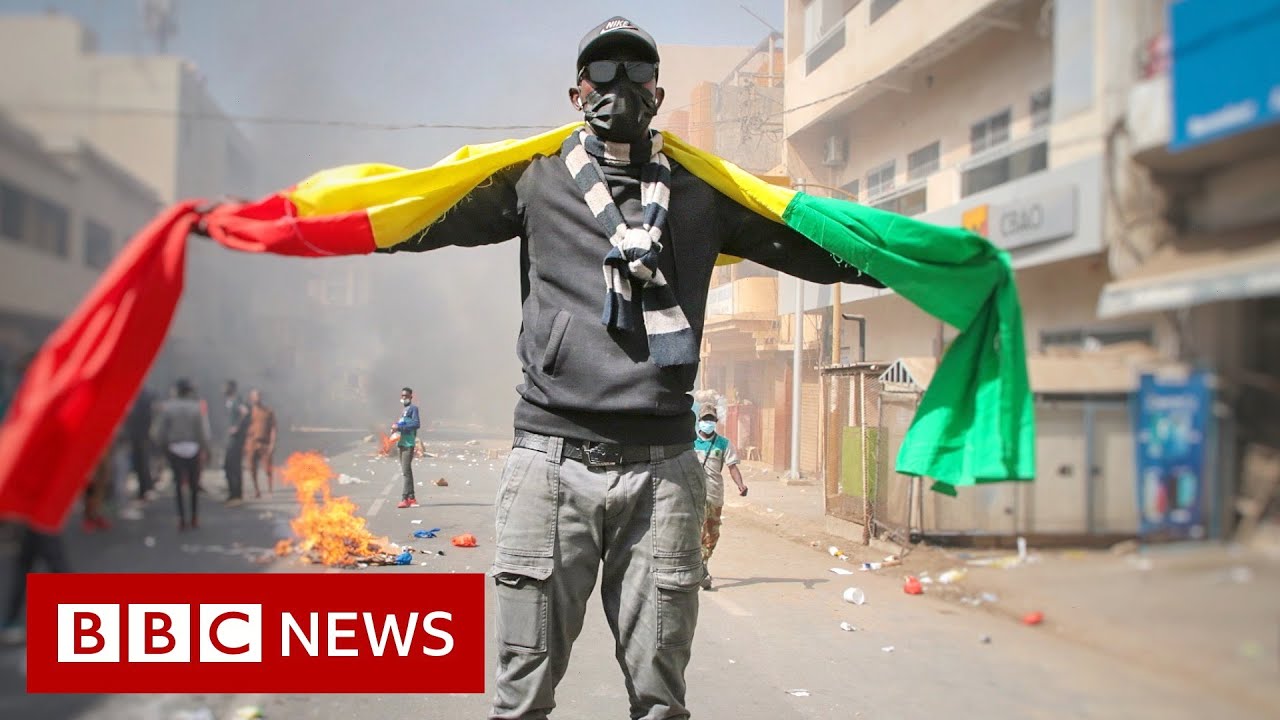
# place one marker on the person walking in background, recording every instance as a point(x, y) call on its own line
point(237, 428)
point(715, 452)
point(182, 429)
point(407, 426)
point(138, 429)
point(260, 441)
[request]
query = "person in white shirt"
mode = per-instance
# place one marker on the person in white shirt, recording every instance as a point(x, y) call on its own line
point(182, 429)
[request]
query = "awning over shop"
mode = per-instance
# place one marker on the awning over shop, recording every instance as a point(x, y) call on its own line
point(1199, 271)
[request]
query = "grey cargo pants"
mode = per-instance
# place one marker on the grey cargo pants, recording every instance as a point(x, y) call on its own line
point(558, 523)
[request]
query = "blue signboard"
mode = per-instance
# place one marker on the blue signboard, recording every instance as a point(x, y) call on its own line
point(1226, 68)
point(1171, 429)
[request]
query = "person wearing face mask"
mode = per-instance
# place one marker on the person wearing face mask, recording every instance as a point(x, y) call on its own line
point(715, 452)
point(407, 427)
point(602, 418)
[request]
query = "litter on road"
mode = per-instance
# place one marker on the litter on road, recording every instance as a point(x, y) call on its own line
point(440, 482)
point(415, 522)
point(841, 571)
point(798, 692)
point(847, 627)
point(887, 648)
point(1033, 618)
point(855, 596)
point(912, 586)
point(465, 540)
point(248, 712)
point(429, 534)
point(149, 541)
point(952, 576)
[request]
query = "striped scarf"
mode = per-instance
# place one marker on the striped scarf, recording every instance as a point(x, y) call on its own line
point(631, 267)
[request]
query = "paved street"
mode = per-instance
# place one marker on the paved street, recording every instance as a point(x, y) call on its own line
point(769, 629)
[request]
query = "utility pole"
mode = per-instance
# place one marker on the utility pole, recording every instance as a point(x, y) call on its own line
point(159, 19)
point(797, 339)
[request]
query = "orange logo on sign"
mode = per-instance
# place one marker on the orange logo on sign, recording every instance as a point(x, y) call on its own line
point(975, 219)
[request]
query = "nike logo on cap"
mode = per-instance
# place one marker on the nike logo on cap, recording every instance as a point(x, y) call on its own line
point(618, 25)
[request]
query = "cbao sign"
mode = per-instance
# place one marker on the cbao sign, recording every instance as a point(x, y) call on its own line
point(1026, 221)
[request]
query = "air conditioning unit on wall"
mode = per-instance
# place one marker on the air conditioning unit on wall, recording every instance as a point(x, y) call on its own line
point(835, 151)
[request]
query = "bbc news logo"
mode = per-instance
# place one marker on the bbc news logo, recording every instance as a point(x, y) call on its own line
point(415, 633)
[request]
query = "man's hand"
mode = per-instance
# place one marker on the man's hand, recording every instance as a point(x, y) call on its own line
point(742, 490)
point(200, 228)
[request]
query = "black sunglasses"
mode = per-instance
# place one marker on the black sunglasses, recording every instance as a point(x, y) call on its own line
point(602, 72)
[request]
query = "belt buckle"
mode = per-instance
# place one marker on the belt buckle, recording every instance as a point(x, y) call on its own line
point(602, 454)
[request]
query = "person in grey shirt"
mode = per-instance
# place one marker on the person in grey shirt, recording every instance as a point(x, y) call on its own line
point(182, 430)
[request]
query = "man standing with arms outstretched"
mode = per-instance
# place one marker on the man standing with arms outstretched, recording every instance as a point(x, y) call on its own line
point(602, 481)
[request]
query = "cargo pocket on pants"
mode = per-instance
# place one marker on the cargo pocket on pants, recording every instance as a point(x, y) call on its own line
point(521, 587)
point(677, 596)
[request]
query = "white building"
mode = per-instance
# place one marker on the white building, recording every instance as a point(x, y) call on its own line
point(1000, 115)
point(152, 115)
point(64, 213)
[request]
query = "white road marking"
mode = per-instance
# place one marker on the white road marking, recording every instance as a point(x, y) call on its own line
point(728, 605)
point(375, 507)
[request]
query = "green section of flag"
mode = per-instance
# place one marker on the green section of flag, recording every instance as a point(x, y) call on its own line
point(975, 423)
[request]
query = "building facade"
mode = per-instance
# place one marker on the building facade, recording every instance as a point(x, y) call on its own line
point(153, 117)
point(1012, 118)
point(64, 213)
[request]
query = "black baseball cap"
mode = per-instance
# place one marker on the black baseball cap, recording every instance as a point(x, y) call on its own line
point(615, 32)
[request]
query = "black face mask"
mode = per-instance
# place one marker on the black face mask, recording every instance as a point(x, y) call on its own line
point(622, 113)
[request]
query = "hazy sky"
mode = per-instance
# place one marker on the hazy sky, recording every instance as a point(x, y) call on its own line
point(447, 320)
point(481, 62)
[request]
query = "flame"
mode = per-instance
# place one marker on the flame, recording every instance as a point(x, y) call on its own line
point(327, 528)
point(386, 443)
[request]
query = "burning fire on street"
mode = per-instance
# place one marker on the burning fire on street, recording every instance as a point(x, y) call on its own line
point(327, 530)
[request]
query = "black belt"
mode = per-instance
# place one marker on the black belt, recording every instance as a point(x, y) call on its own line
point(601, 454)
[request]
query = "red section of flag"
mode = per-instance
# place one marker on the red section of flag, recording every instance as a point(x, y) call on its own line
point(80, 384)
point(272, 226)
point(344, 633)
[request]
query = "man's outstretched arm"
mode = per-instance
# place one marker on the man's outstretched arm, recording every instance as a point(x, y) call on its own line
point(488, 215)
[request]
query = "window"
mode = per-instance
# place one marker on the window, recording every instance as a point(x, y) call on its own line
point(880, 179)
point(908, 203)
point(1041, 108)
point(51, 227)
point(880, 7)
point(923, 162)
point(852, 189)
point(989, 132)
point(13, 205)
point(97, 245)
point(823, 30)
point(1010, 167)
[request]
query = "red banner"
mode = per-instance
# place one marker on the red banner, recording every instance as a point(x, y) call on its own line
point(244, 633)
